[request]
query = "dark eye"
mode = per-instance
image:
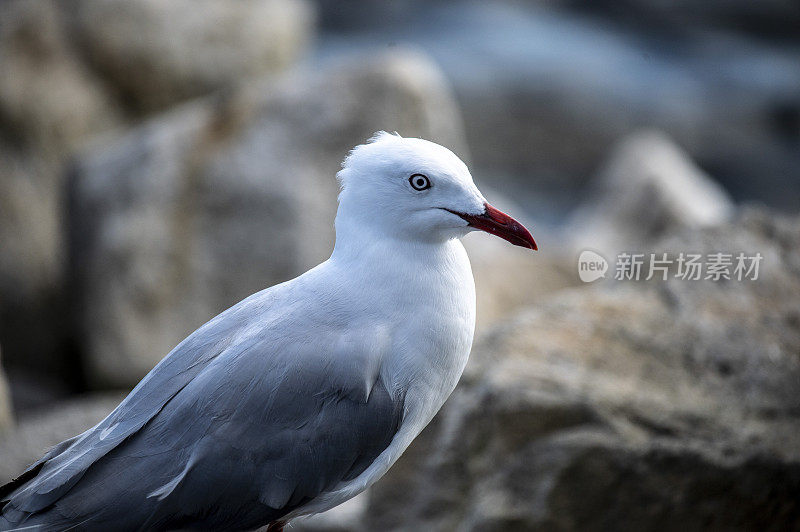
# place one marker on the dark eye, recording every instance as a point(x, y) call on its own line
point(419, 182)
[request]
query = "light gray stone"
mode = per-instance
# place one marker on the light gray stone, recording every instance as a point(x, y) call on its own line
point(73, 69)
point(156, 53)
point(6, 417)
point(49, 103)
point(647, 189)
point(49, 99)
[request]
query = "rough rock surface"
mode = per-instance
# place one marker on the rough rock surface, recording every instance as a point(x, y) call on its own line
point(38, 431)
point(6, 419)
point(648, 406)
point(73, 69)
point(649, 188)
point(48, 97)
point(193, 211)
point(154, 53)
point(49, 102)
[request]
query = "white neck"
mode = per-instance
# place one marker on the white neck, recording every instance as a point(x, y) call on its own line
point(418, 286)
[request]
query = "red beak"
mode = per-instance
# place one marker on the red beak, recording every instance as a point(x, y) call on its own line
point(500, 224)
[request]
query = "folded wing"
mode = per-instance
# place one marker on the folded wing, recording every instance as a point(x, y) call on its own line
point(232, 429)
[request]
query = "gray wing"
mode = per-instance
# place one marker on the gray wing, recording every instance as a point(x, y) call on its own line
point(236, 438)
point(46, 480)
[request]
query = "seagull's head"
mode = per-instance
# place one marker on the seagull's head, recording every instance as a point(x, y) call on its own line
point(413, 189)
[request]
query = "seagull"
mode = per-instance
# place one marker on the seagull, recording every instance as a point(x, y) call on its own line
point(304, 394)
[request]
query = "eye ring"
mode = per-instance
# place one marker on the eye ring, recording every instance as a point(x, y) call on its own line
point(419, 182)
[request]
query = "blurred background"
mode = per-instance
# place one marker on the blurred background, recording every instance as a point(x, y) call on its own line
point(148, 148)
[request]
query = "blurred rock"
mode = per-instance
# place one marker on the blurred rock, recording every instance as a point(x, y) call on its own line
point(49, 100)
point(6, 419)
point(770, 19)
point(346, 517)
point(193, 211)
point(657, 406)
point(38, 431)
point(73, 69)
point(507, 279)
point(49, 103)
point(648, 189)
point(30, 297)
point(155, 53)
point(32, 390)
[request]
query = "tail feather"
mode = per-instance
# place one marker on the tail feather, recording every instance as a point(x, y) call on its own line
point(7, 489)
point(18, 518)
point(33, 470)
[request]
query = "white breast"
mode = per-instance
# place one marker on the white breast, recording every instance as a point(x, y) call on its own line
point(429, 307)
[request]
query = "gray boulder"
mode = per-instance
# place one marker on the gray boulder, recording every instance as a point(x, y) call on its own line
point(154, 54)
point(49, 103)
point(201, 207)
point(6, 417)
point(647, 189)
point(347, 517)
point(647, 406)
point(49, 99)
point(73, 69)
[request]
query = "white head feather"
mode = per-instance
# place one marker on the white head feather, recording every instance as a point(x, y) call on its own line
point(378, 195)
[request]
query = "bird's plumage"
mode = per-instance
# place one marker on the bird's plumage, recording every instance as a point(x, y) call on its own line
point(297, 398)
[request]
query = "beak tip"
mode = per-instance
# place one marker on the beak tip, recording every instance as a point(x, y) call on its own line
point(531, 244)
point(534, 246)
point(500, 224)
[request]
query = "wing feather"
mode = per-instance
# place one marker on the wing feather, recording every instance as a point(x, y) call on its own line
point(56, 472)
point(231, 430)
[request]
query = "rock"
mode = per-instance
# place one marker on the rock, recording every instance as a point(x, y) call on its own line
point(649, 188)
point(38, 431)
point(199, 208)
point(6, 418)
point(772, 20)
point(33, 320)
point(49, 100)
point(507, 279)
point(346, 517)
point(155, 53)
point(73, 69)
point(663, 406)
point(49, 103)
